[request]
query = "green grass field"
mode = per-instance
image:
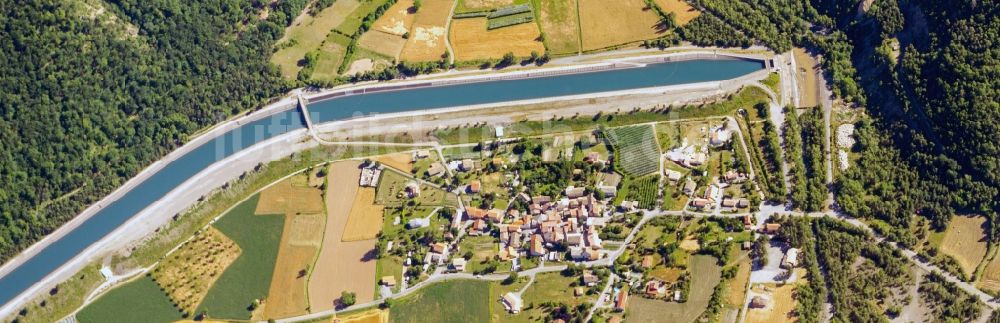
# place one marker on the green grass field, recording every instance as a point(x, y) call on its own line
point(483, 249)
point(705, 275)
point(458, 301)
point(138, 301)
point(392, 182)
point(353, 21)
point(249, 277)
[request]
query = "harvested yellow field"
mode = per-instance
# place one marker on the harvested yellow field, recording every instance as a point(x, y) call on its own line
point(690, 244)
point(427, 37)
point(780, 304)
point(400, 161)
point(341, 266)
point(471, 40)
point(382, 43)
point(807, 76)
point(307, 32)
point(561, 25)
point(683, 12)
point(738, 287)
point(188, 273)
point(397, 20)
point(291, 196)
point(479, 5)
point(612, 23)
point(965, 240)
point(365, 219)
point(991, 276)
point(287, 294)
point(370, 316)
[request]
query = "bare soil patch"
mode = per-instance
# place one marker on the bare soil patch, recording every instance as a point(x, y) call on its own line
point(397, 20)
point(690, 244)
point(780, 304)
point(965, 240)
point(360, 66)
point(365, 219)
point(342, 266)
point(683, 12)
point(807, 76)
point(188, 273)
point(427, 37)
point(613, 23)
point(471, 40)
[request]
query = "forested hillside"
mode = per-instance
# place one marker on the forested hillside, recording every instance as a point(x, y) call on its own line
point(91, 92)
point(931, 147)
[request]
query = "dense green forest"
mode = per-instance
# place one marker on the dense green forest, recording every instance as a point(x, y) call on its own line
point(92, 92)
point(930, 147)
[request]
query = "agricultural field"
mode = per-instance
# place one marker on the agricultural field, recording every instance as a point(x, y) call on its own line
point(561, 24)
point(667, 135)
point(606, 24)
point(440, 303)
point(186, 274)
point(368, 316)
point(138, 301)
point(331, 56)
point(683, 12)
point(738, 286)
point(965, 240)
point(548, 287)
point(472, 40)
point(705, 274)
point(307, 33)
point(645, 190)
point(352, 23)
point(365, 219)
point(483, 5)
point(393, 182)
point(990, 279)
point(483, 248)
point(636, 150)
point(427, 37)
point(400, 161)
point(249, 277)
point(342, 265)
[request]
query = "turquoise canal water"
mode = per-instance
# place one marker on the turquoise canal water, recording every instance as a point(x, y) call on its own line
point(179, 170)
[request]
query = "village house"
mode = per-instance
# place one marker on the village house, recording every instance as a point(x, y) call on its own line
point(609, 191)
point(420, 154)
point(458, 264)
point(621, 300)
point(478, 228)
point(689, 187)
point(435, 170)
point(647, 262)
point(412, 190)
point(475, 213)
point(772, 228)
point(589, 278)
point(655, 288)
point(672, 175)
point(758, 302)
point(575, 192)
point(389, 281)
point(467, 165)
point(696, 159)
point(417, 223)
point(535, 248)
point(734, 177)
point(473, 187)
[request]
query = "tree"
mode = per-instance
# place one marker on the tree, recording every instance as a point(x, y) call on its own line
point(510, 278)
point(347, 298)
point(416, 5)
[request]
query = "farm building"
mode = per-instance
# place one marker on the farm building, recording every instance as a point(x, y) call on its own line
point(474, 186)
point(791, 259)
point(758, 302)
point(389, 281)
point(672, 175)
point(512, 302)
point(621, 300)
